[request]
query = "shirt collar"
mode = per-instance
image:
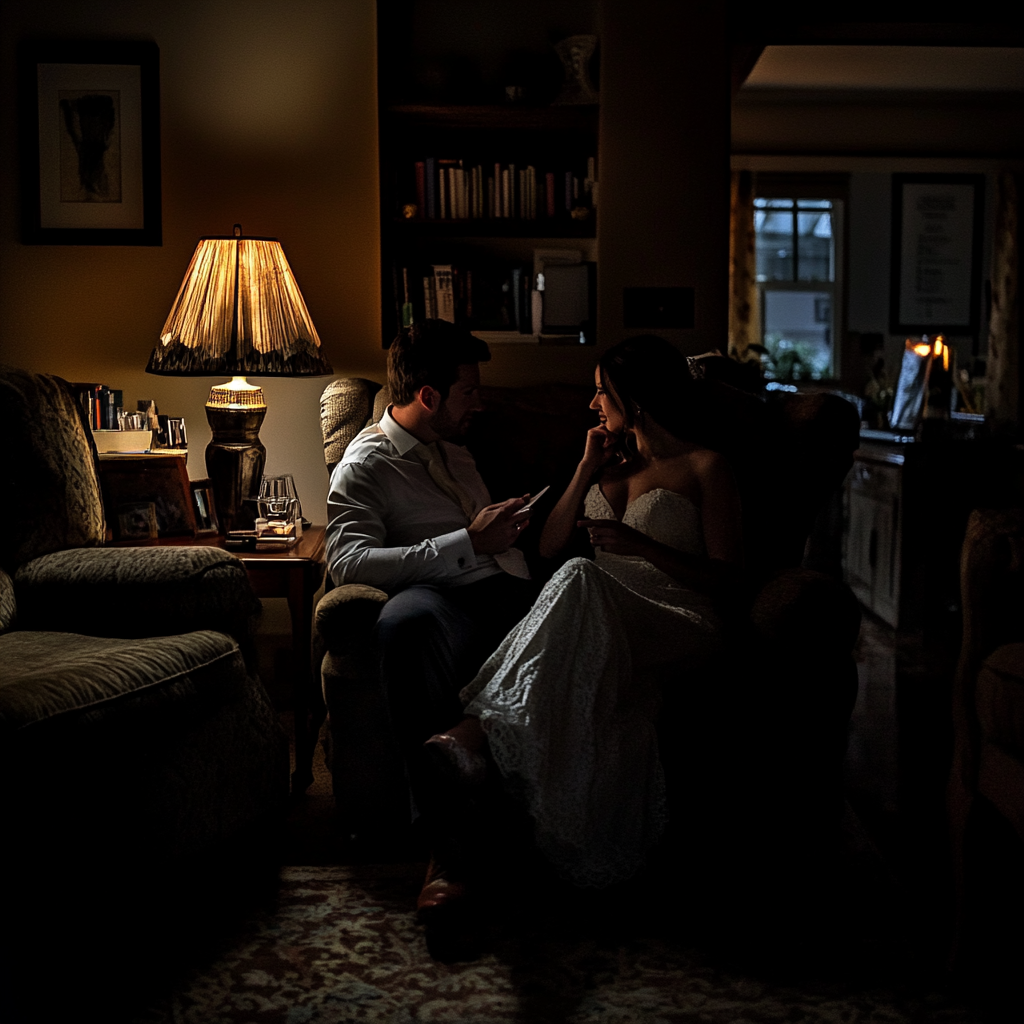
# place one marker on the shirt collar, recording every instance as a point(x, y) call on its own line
point(403, 441)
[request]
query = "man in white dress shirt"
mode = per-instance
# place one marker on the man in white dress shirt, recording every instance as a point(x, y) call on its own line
point(409, 513)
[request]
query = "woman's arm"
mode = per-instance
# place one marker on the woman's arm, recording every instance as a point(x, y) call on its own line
point(713, 576)
point(562, 520)
point(721, 572)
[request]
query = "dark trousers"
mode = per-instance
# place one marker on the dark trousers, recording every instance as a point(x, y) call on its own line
point(431, 642)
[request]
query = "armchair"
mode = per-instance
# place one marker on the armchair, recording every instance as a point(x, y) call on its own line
point(988, 722)
point(140, 759)
point(782, 702)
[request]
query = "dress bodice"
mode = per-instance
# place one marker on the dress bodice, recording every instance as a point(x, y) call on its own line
point(668, 517)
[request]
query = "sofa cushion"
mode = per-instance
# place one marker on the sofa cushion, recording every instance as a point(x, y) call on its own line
point(136, 592)
point(51, 456)
point(58, 674)
point(1000, 698)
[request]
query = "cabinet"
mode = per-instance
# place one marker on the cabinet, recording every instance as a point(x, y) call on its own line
point(905, 512)
point(873, 551)
point(477, 195)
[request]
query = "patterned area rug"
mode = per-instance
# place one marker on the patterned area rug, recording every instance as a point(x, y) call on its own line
point(343, 945)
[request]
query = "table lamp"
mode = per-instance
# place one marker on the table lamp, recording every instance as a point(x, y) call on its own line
point(239, 311)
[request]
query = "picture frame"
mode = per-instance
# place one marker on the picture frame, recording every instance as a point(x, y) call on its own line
point(90, 143)
point(204, 508)
point(137, 521)
point(129, 481)
point(936, 245)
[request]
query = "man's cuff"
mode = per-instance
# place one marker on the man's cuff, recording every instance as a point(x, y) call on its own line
point(456, 551)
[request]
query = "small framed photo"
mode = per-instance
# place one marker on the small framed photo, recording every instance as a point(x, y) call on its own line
point(90, 143)
point(137, 521)
point(159, 480)
point(203, 508)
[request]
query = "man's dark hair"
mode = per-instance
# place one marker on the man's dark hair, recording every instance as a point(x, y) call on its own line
point(430, 353)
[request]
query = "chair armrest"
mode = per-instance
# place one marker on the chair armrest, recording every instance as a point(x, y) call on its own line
point(137, 592)
point(806, 615)
point(346, 616)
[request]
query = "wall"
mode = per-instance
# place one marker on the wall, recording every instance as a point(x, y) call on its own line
point(663, 218)
point(872, 136)
point(268, 118)
point(868, 237)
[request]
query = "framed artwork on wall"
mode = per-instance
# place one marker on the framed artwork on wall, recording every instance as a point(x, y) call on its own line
point(936, 253)
point(90, 143)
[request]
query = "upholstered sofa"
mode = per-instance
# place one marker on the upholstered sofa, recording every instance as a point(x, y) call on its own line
point(763, 740)
point(141, 762)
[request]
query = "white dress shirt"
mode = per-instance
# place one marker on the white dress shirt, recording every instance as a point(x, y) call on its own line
point(389, 525)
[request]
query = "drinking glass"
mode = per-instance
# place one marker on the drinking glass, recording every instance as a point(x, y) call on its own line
point(279, 504)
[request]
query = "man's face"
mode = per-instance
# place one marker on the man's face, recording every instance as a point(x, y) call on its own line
point(453, 417)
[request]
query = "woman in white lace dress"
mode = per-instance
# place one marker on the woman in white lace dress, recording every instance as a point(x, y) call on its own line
point(567, 704)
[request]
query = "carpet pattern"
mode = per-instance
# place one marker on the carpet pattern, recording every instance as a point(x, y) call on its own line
point(343, 945)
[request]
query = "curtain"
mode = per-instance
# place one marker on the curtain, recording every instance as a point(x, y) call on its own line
point(744, 321)
point(1002, 391)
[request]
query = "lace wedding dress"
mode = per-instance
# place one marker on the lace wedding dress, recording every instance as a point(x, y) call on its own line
point(569, 699)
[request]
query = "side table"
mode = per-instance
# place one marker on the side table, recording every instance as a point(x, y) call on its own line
point(294, 574)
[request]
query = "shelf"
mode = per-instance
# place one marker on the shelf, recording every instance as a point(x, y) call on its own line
point(568, 118)
point(515, 338)
point(497, 227)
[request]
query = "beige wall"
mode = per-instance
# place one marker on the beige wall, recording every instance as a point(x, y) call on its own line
point(268, 118)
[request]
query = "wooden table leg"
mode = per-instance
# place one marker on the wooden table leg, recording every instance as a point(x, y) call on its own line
point(306, 700)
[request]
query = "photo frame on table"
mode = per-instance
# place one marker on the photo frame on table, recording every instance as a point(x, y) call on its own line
point(204, 508)
point(936, 253)
point(90, 143)
point(130, 482)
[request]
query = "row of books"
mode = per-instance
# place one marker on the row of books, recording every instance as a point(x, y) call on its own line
point(455, 190)
point(485, 296)
point(100, 404)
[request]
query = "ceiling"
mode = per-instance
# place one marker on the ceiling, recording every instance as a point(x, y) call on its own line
point(912, 68)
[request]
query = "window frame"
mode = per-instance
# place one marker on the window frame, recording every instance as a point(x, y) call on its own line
point(796, 187)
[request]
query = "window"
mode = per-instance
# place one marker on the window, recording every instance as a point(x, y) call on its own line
point(797, 252)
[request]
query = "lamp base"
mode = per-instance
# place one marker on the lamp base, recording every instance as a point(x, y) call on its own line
point(235, 458)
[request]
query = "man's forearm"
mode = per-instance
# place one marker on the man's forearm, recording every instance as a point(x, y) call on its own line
point(436, 560)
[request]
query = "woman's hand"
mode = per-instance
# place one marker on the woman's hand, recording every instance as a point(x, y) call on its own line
point(600, 449)
point(616, 538)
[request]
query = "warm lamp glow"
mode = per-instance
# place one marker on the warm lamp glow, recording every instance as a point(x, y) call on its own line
point(923, 350)
point(239, 311)
point(238, 393)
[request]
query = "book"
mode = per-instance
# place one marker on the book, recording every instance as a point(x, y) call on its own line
point(407, 315)
point(421, 188)
point(549, 192)
point(444, 294)
point(430, 186)
point(429, 299)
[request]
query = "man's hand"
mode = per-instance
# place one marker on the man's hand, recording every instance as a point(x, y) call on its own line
point(496, 527)
point(616, 538)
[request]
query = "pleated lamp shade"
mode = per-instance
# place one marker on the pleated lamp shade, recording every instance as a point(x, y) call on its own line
point(239, 311)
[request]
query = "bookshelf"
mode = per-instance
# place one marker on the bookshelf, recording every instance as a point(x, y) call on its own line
point(472, 189)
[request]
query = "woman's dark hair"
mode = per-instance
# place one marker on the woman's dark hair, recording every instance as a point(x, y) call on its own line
point(651, 376)
point(430, 352)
